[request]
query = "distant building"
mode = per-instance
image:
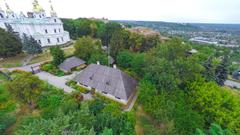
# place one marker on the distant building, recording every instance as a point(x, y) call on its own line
point(47, 31)
point(109, 82)
point(71, 63)
point(236, 75)
point(147, 32)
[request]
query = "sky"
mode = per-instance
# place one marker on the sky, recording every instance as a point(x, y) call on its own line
point(181, 11)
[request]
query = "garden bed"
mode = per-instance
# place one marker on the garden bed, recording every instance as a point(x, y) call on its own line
point(75, 86)
point(48, 67)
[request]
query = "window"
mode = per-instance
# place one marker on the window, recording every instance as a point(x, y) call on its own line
point(104, 92)
point(59, 30)
point(39, 41)
point(48, 41)
point(58, 40)
point(13, 16)
point(55, 20)
point(40, 16)
point(46, 31)
point(117, 97)
point(55, 31)
point(62, 39)
point(1, 16)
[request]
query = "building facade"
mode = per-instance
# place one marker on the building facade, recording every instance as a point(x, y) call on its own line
point(47, 31)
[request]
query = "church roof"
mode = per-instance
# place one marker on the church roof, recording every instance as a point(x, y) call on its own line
point(36, 7)
point(109, 80)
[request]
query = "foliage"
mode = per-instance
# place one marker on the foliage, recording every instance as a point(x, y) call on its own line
point(48, 67)
point(58, 55)
point(222, 72)
point(7, 105)
point(83, 27)
point(216, 104)
point(101, 57)
point(169, 108)
point(30, 45)
point(124, 59)
point(169, 68)
point(215, 129)
point(85, 47)
point(26, 87)
point(9, 44)
point(75, 86)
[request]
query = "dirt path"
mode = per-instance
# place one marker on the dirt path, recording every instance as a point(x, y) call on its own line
point(27, 60)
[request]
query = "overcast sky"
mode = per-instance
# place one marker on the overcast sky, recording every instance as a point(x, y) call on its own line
point(205, 11)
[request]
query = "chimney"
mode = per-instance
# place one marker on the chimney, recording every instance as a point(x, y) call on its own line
point(115, 66)
point(98, 62)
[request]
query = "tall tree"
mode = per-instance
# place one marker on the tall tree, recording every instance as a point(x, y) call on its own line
point(209, 73)
point(9, 44)
point(85, 47)
point(222, 71)
point(58, 55)
point(30, 45)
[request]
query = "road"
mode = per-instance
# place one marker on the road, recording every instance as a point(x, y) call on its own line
point(232, 84)
point(59, 82)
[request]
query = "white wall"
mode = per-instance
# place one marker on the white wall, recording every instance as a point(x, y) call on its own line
point(36, 28)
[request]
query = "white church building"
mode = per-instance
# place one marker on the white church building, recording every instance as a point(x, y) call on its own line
point(47, 31)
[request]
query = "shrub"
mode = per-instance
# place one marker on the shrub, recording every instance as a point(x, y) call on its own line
point(75, 86)
point(48, 67)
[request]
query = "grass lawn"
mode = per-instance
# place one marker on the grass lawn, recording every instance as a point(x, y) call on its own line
point(144, 124)
point(46, 56)
point(13, 61)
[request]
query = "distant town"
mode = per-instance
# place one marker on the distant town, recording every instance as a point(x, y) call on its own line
point(227, 35)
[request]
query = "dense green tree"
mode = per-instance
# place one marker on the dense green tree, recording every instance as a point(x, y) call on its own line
point(27, 88)
point(108, 31)
point(124, 59)
point(209, 72)
point(58, 55)
point(215, 103)
point(102, 58)
point(30, 45)
point(169, 107)
point(9, 44)
point(116, 44)
point(85, 47)
point(222, 72)
point(215, 129)
point(107, 131)
point(83, 27)
point(12, 32)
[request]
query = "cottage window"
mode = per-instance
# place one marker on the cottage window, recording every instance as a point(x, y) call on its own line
point(40, 16)
point(62, 39)
point(59, 30)
point(55, 20)
point(58, 40)
point(55, 31)
point(39, 41)
point(46, 31)
point(1, 16)
point(104, 92)
point(117, 97)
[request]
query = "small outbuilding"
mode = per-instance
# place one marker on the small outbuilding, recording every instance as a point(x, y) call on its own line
point(72, 63)
point(109, 82)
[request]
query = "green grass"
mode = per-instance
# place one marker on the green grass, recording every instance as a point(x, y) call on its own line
point(46, 56)
point(13, 61)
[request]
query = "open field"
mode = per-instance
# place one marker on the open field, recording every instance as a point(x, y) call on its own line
point(13, 61)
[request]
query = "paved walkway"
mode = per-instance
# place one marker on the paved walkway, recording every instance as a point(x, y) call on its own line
point(59, 82)
point(232, 84)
